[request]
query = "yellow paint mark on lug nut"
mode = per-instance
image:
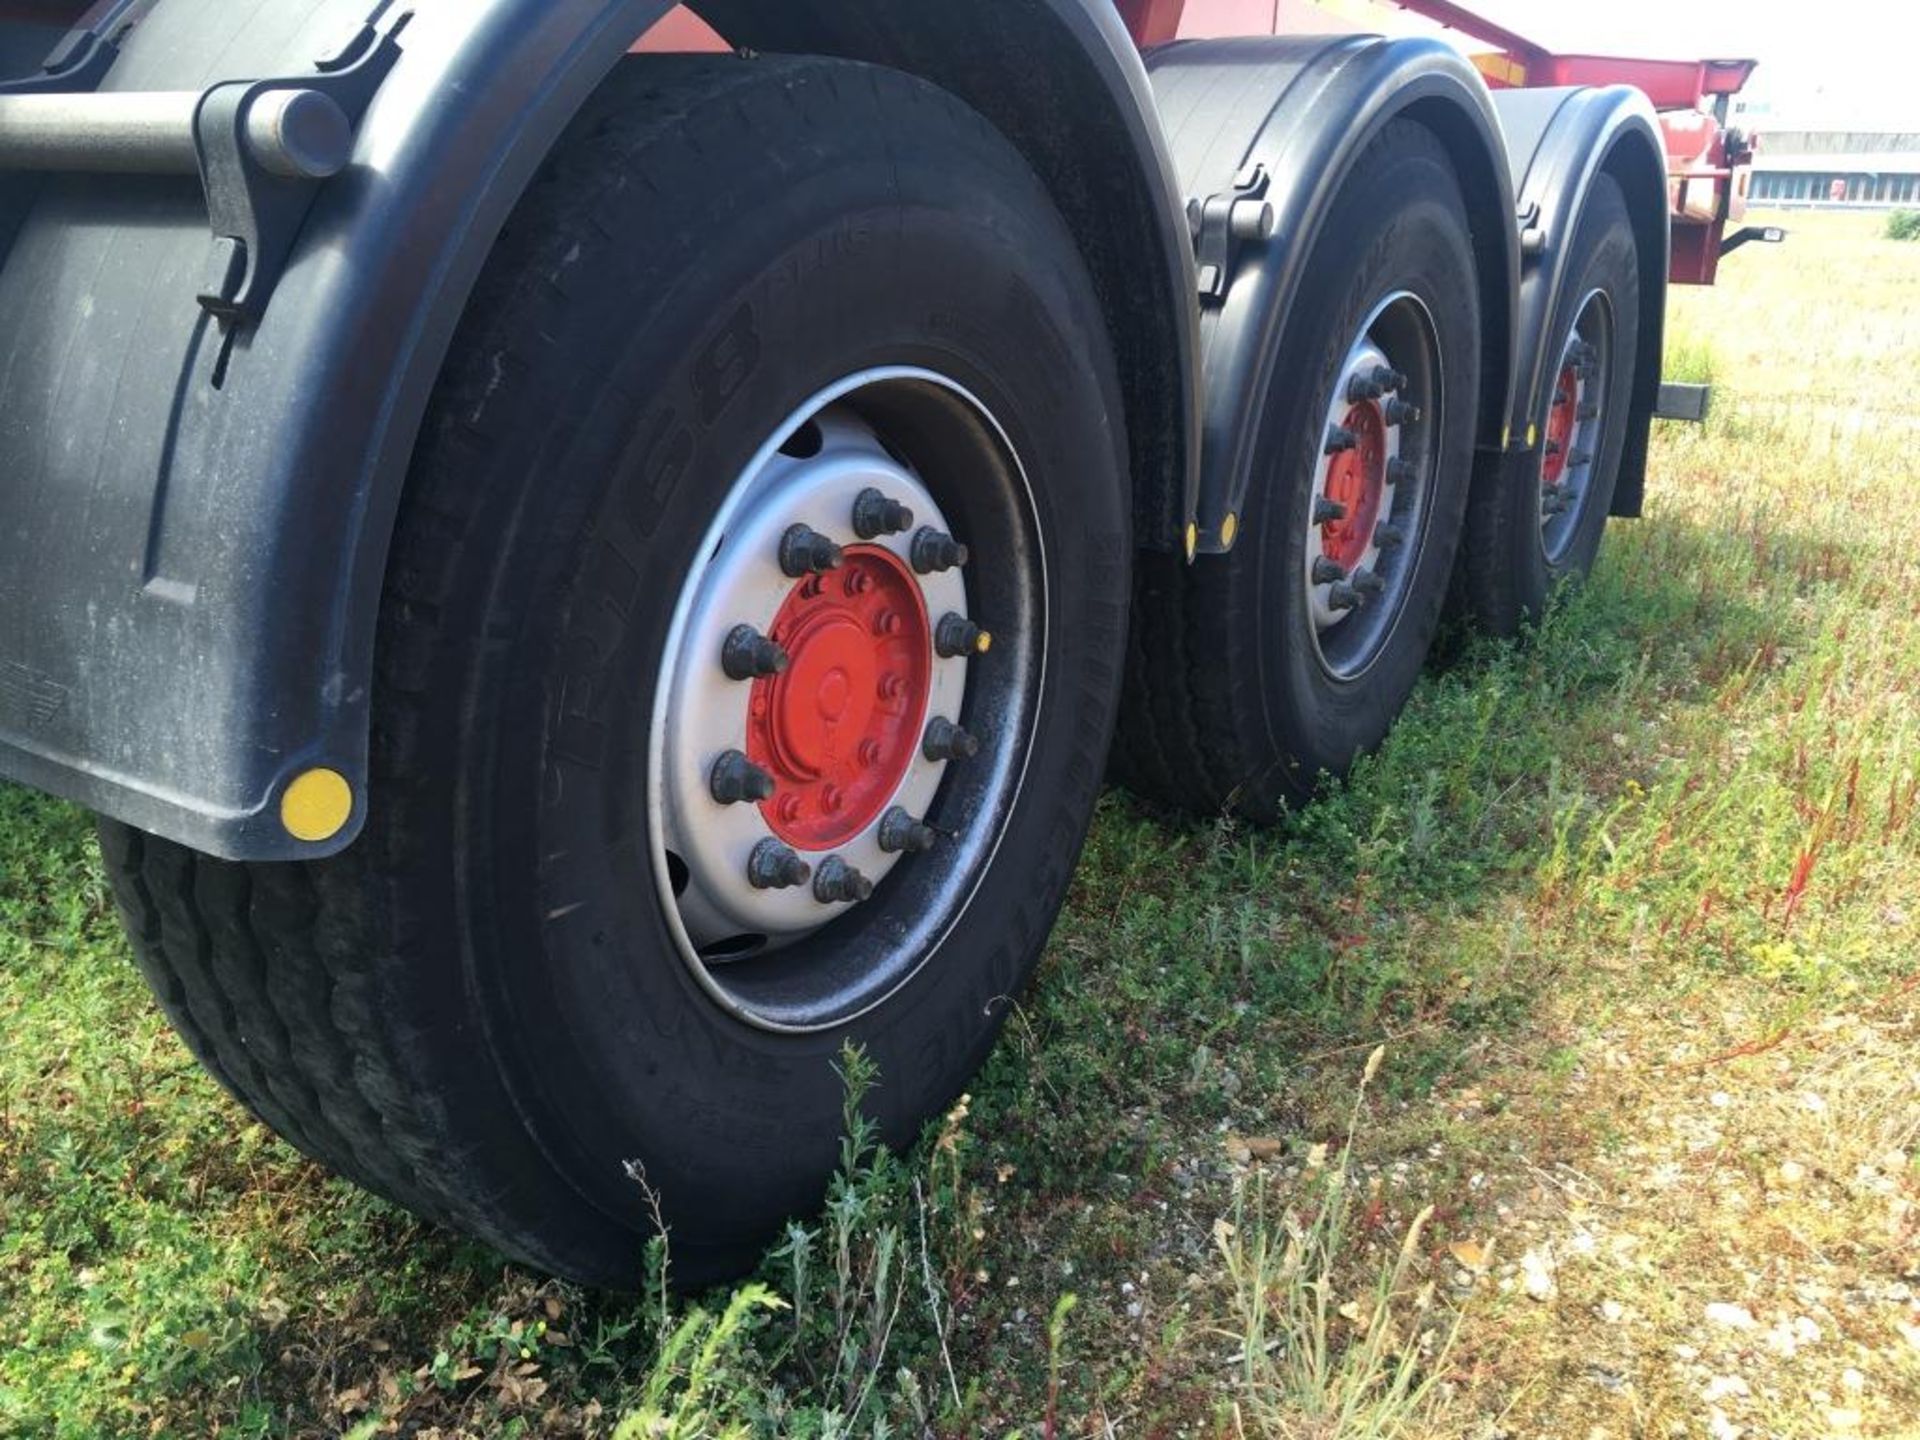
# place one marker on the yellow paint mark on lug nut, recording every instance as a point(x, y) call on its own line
point(984, 643)
point(317, 806)
point(1229, 530)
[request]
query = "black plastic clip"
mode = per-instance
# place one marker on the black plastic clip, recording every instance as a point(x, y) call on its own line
point(1226, 221)
point(256, 213)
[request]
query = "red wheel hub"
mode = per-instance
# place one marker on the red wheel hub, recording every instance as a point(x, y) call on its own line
point(839, 728)
point(1561, 419)
point(1357, 480)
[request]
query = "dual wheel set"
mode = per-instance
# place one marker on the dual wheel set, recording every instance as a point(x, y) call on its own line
point(754, 637)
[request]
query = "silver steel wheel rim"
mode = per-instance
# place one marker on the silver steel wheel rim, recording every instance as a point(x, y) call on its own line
point(810, 472)
point(1578, 401)
point(1356, 585)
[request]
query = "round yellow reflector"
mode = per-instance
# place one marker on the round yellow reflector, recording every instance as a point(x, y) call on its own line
point(1229, 529)
point(1193, 540)
point(317, 806)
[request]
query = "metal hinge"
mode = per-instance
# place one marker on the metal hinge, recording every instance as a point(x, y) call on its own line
point(1225, 222)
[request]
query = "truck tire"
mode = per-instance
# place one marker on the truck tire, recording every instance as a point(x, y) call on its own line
point(1253, 673)
point(654, 559)
point(1536, 526)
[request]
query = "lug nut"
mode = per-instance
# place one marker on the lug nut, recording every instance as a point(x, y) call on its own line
point(1339, 440)
point(1561, 397)
point(1554, 447)
point(1343, 597)
point(899, 832)
point(1388, 379)
point(947, 741)
point(736, 778)
point(1327, 572)
point(774, 866)
point(875, 515)
point(1588, 411)
point(1362, 388)
point(1326, 511)
point(1389, 537)
point(1399, 412)
point(1368, 583)
point(749, 655)
point(1554, 500)
point(1398, 470)
point(1579, 458)
point(934, 552)
point(839, 883)
point(956, 635)
point(805, 551)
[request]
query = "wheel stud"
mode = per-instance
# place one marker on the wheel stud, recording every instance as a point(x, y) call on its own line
point(805, 551)
point(1339, 440)
point(1388, 379)
point(1399, 412)
point(1343, 597)
point(1326, 511)
point(1368, 583)
point(947, 741)
point(900, 832)
point(1399, 470)
point(774, 866)
point(956, 635)
point(736, 778)
point(875, 515)
point(839, 883)
point(1327, 572)
point(749, 655)
point(1389, 537)
point(1588, 411)
point(934, 552)
point(1362, 388)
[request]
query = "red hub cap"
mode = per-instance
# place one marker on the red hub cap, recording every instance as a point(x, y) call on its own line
point(840, 726)
point(1356, 480)
point(1561, 419)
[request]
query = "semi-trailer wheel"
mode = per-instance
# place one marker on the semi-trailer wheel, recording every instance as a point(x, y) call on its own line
point(749, 651)
point(1533, 528)
point(1251, 674)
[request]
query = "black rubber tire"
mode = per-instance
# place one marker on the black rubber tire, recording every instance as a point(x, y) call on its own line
point(1228, 707)
point(423, 1013)
point(1505, 576)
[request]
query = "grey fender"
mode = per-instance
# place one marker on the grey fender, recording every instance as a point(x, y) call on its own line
point(194, 527)
point(1559, 141)
point(1302, 109)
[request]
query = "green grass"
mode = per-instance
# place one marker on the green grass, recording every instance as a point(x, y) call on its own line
point(1616, 901)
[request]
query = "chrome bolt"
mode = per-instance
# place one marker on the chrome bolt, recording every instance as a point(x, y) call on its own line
point(1339, 440)
point(805, 551)
point(736, 778)
point(899, 831)
point(1327, 572)
point(774, 866)
point(947, 741)
point(1326, 511)
point(956, 635)
point(746, 654)
point(839, 883)
point(934, 552)
point(875, 515)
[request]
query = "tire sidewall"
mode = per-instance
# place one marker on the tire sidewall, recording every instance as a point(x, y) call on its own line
point(1317, 720)
point(616, 1051)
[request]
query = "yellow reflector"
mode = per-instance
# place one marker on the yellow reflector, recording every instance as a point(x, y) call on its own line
point(984, 643)
point(1229, 528)
point(317, 806)
point(1193, 540)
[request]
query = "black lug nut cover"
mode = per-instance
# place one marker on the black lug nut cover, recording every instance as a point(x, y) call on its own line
point(874, 515)
point(805, 551)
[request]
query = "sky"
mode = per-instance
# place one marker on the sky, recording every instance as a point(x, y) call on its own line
point(1824, 63)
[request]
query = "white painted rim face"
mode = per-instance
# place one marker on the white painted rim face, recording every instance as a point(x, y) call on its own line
point(1367, 515)
point(749, 937)
point(1576, 426)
